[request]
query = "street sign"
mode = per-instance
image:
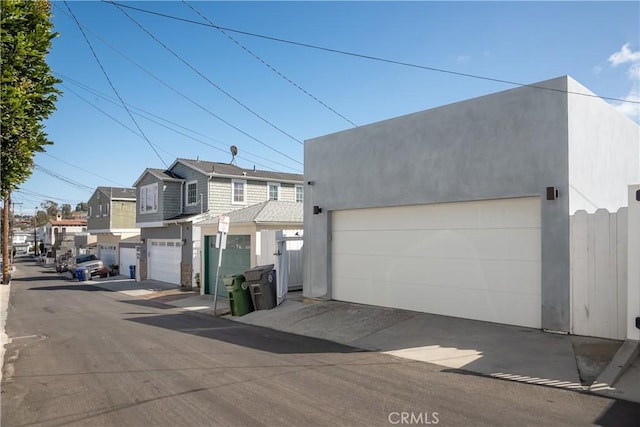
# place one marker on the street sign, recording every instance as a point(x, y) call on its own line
point(223, 224)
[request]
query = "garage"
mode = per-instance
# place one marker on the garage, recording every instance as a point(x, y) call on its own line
point(163, 260)
point(127, 258)
point(477, 260)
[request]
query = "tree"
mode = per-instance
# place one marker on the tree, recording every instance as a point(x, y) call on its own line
point(28, 95)
point(51, 208)
point(82, 207)
point(41, 218)
point(66, 210)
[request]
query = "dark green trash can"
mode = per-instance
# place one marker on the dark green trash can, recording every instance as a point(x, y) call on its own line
point(239, 295)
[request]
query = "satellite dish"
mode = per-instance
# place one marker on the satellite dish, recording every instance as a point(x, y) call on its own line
point(234, 152)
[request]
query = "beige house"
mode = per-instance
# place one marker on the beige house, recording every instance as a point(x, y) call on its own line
point(111, 217)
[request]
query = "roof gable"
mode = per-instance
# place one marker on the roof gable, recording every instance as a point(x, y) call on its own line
point(225, 169)
point(159, 174)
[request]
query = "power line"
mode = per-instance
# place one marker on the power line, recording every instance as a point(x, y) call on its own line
point(206, 78)
point(203, 108)
point(84, 170)
point(64, 179)
point(373, 58)
point(111, 84)
point(269, 65)
point(97, 93)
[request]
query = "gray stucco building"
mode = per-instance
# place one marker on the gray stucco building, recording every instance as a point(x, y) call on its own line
point(464, 209)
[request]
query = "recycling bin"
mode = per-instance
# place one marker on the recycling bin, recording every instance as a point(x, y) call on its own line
point(261, 281)
point(80, 274)
point(239, 295)
point(132, 271)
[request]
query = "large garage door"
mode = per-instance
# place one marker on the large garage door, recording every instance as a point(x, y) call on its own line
point(163, 260)
point(475, 260)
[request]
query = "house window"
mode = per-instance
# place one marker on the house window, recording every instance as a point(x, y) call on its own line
point(273, 190)
point(106, 210)
point(89, 212)
point(238, 192)
point(149, 198)
point(299, 194)
point(192, 193)
point(100, 213)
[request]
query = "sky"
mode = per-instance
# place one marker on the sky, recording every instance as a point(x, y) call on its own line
point(274, 74)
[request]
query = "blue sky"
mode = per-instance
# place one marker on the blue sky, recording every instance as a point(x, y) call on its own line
point(183, 114)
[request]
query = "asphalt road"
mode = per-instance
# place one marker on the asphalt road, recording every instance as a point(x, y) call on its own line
point(81, 355)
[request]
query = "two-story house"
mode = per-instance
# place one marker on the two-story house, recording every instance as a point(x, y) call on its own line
point(170, 201)
point(111, 217)
point(59, 234)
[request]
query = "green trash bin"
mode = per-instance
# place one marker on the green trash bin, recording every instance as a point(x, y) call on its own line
point(239, 295)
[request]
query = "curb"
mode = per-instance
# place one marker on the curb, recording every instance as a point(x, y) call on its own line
point(624, 357)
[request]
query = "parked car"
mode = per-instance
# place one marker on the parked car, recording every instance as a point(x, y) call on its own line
point(91, 263)
point(62, 264)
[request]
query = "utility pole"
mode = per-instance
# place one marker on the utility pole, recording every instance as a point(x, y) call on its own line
point(6, 276)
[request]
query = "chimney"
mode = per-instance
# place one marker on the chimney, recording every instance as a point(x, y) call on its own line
point(58, 216)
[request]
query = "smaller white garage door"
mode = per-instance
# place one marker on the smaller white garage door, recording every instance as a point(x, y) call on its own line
point(163, 260)
point(127, 258)
point(107, 253)
point(476, 260)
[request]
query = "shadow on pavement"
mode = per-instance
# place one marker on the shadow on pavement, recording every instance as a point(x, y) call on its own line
point(620, 413)
point(90, 288)
point(36, 278)
point(147, 303)
point(250, 336)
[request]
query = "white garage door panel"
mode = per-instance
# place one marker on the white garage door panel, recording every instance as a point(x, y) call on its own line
point(498, 275)
point(127, 258)
point(506, 213)
point(462, 243)
point(164, 260)
point(476, 260)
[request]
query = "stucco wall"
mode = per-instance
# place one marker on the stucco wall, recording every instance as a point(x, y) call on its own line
point(508, 144)
point(604, 153)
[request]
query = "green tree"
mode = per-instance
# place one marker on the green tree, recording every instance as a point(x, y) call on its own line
point(41, 218)
point(27, 93)
point(51, 208)
point(66, 210)
point(82, 207)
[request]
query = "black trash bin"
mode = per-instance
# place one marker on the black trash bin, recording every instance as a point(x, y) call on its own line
point(262, 286)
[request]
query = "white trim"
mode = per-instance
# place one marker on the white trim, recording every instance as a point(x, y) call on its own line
point(244, 191)
point(186, 193)
point(155, 224)
point(254, 178)
point(278, 196)
point(114, 230)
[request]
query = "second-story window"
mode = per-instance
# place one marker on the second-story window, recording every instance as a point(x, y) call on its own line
point(106, 210)
point(192, 193)
point(149, 198)
point(100, 214)
point(89, 213)
point(273, 189)
point(238, 192)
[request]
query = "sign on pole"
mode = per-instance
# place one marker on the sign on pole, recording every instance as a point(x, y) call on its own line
point(221, 243)
point(223, 223)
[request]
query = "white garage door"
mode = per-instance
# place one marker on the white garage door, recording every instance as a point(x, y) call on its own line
point(127, 258)
point(476, 260)
point(163, 260)
point(107, 253)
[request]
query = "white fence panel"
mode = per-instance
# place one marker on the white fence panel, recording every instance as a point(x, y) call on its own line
point(598, 273)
